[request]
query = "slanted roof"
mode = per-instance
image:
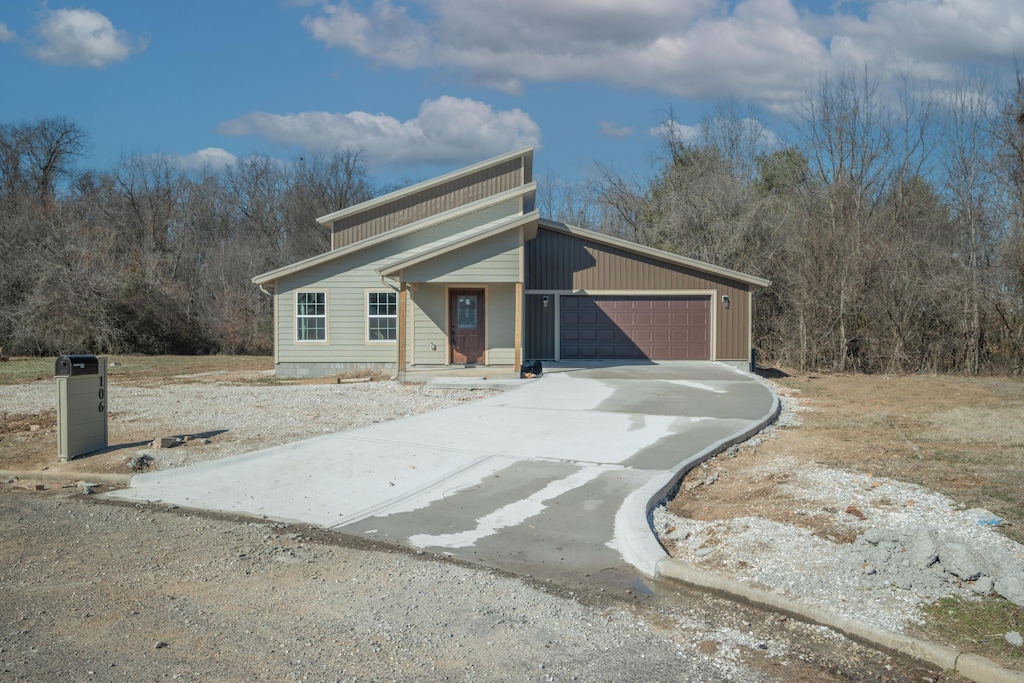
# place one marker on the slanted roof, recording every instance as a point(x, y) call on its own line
point(650, 252)
point(455, 242)
point(525, 152)
point(328, 256)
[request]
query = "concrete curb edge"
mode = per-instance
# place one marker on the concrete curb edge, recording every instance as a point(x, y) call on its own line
point(639, 545)
point(46, 475)
point(974, 667)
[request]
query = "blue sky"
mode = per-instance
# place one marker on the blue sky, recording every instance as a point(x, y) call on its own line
point(426, 86)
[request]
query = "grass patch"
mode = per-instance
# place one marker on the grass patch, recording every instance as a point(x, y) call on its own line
point(977, 626)
point(18, 370)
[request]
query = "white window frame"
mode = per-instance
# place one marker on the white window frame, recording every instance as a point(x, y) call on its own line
point(371, 316)
point(314, 316)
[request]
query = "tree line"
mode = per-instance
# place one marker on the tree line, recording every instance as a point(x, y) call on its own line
point(891, 226)
point(151, 257)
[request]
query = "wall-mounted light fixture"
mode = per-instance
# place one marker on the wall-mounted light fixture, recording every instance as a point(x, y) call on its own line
point(545, 300)
point(725, 301)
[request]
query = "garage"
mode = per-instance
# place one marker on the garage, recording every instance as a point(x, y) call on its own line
point(635, 327)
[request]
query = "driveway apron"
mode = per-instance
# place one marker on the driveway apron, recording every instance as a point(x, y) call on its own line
point(529, 481)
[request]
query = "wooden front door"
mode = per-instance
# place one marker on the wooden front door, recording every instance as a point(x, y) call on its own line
point(466, 317)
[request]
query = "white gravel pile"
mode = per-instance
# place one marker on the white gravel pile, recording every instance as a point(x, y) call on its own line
point(913, 546)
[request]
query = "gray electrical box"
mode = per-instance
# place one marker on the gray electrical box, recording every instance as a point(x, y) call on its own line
point(81, 405)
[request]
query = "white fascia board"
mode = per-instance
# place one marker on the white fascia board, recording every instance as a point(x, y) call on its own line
point(437, 219)
point(459, 243)
point(412, 189)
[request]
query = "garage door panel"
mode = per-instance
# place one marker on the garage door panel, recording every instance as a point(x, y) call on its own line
point(653, 327)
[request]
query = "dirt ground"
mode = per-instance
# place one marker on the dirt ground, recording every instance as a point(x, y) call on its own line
point(94, 591)
point(963, 437)
point(960, 436)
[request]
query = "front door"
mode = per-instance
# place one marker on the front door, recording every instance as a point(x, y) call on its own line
point(466, 315)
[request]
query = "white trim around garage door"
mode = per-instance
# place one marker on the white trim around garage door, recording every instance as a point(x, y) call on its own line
point(712, 295)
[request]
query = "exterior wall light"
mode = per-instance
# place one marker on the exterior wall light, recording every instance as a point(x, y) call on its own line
point(725, 301)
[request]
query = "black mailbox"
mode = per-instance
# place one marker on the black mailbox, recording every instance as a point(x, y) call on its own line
point(76, 365)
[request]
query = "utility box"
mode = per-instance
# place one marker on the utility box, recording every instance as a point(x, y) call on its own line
point(81, 405)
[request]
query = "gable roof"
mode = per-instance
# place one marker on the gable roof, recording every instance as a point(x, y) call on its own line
point(651, 252)
point(444, 217)
point(455, 242)
point(525, 152)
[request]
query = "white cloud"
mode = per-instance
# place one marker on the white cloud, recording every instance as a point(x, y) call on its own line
point(213, 158)
point(673, 130)
point(6, 34)
point(614, 130)
point(82, 37)
point(929, 38)
point(763, 50)
point(446, 130)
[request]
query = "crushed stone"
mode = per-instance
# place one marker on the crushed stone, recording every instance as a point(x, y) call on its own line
point(912, 546)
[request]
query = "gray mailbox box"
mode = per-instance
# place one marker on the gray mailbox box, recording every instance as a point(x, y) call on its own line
point(81, 405)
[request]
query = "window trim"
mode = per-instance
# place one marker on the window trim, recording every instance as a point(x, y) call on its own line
point(367, 317)
point(297, 316)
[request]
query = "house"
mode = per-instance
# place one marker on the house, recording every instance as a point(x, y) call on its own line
point(462, 270)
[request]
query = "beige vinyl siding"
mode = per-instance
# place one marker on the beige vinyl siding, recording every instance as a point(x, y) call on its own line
point(495, 259)
point(346, 280)
point(559, 262)
point(429, 202)
point(501, 324)
point(429, 313)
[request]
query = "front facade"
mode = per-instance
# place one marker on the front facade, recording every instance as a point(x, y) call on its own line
point(462, 271)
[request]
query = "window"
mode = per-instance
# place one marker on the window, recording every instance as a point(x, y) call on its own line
point(311, 316)
point(381, 316)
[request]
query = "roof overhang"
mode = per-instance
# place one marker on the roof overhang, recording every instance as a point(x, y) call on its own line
point(527, 220)
point(443, 217)
point(658, 254)
point(525, 152)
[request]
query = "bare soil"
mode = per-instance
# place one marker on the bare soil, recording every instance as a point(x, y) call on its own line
point(963, 437)
point(97, 591)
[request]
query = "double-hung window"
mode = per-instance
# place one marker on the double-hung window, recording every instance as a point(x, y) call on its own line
point(381, 316)
point(311, 316)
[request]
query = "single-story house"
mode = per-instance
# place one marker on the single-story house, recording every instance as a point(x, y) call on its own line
point(462, 270)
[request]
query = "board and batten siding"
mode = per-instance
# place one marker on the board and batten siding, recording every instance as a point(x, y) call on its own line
point(429, 202)
point(495, 259)
point(558, 262)
point(540, 327)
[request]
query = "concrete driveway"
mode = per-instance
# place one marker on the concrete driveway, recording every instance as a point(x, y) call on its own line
point(552, 479)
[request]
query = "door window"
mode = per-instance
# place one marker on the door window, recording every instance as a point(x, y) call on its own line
point(466, 311)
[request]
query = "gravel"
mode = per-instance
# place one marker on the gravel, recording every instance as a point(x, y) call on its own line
point(95, 590)
point(239, 418)
point(912, 546)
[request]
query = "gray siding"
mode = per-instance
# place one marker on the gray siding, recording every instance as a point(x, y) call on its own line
point(429, 202)
point(346, 280)
point(540, 328)
point(501, 324)
point(567, 263)
point(495, 259)
point(429, 317)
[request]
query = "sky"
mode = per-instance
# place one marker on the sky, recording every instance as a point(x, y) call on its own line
point(425, 86)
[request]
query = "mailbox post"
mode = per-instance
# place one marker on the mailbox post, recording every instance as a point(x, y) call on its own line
point(81, 405)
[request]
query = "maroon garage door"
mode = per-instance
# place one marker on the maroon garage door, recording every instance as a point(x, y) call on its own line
point(658, 328)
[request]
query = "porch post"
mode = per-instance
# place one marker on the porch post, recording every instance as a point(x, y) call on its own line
point(519, 327)
point(402, 295)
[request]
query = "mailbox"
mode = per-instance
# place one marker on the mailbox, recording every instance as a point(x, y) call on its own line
point(76, 365)
point(81, 405)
